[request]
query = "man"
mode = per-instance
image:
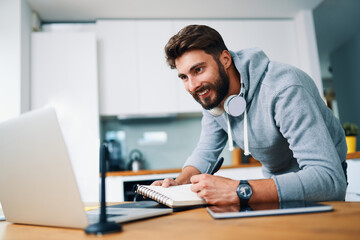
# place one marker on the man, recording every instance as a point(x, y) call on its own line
point(285, 125)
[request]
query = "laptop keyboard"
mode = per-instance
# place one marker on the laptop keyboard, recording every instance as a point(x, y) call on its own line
point(141, 204)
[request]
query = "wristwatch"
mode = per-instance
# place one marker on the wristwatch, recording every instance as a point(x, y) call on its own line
point(244, 192)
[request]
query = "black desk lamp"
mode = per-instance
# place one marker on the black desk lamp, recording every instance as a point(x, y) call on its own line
point(103, 226)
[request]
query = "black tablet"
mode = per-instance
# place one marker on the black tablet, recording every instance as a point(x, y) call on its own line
point(266, 209)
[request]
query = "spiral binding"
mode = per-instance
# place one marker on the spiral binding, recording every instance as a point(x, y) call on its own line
point(161, 198)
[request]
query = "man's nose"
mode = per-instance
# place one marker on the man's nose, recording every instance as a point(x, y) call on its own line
point(193, 85)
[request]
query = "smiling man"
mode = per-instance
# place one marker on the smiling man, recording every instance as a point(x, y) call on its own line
point(270, 109)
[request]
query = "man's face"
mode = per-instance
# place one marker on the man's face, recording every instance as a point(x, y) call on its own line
point(203, 77)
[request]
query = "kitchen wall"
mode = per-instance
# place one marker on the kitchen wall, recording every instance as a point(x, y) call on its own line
point(176, 138)
point(346, 80)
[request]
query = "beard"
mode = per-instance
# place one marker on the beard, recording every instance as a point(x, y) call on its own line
point(220, 87)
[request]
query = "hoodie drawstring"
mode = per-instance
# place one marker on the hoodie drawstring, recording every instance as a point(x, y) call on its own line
point(230, 140)
point(246, 140)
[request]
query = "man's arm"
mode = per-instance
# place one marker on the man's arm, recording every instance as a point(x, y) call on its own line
point(186, 174)
point(316, 139)
point(222, 191)
point(183, 178)
point(212, 141)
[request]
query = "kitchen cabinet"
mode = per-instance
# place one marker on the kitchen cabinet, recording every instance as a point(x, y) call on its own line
point(118, 82)
point(157, 82)
point(134, 76)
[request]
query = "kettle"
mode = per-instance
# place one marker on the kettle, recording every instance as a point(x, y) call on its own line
point(115, 161)
point(136, 162)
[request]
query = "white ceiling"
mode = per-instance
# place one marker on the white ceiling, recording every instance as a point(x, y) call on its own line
point(90, 10)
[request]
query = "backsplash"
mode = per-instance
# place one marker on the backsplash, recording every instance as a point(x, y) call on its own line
point(164, 143)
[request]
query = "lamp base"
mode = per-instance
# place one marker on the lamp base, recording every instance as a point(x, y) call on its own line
point(103, 228)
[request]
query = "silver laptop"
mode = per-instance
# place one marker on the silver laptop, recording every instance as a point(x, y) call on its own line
point(37, 182)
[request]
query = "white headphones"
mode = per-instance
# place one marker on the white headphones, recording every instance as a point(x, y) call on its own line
point(234, 105)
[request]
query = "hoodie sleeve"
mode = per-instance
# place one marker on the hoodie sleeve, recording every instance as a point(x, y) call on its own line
point(299, 117)
point(212, 141)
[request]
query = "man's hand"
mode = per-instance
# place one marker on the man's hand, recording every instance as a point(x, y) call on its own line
point(165, 183)
point(214, 189)
point(222, 191)
point(183, 178)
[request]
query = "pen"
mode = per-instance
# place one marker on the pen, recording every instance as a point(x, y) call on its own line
point(216, 166)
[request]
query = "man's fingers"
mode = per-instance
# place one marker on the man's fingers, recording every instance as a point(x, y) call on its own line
point(165, 183)
point(195, 178)
point(168, 182)
point(200, 177)
point(157, 183)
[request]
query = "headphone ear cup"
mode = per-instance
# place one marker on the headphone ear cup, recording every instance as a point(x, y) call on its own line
point(235, 105)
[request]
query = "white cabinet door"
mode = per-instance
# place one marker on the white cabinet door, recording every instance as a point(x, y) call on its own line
point(118, 67)
point(157, 82)
point(134, 76)
point(64, 75)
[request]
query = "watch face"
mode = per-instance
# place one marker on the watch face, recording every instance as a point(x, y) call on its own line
point(245, 191)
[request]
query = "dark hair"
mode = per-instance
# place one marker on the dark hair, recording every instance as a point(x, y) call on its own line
point(194, 37)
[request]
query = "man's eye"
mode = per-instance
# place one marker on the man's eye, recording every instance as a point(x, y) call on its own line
point(183, 77)
point(199, 69)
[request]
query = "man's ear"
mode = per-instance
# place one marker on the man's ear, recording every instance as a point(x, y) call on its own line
point(225, 59)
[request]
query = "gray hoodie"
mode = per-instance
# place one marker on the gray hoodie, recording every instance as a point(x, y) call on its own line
point(291, 131)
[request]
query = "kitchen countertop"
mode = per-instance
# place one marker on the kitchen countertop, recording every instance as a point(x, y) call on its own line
point(176, 170)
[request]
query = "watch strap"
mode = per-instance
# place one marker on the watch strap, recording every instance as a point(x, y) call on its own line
point(244, 182)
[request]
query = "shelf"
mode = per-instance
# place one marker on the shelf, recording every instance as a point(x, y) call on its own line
point(354, 155)
point(175, 170)
point(253, 163)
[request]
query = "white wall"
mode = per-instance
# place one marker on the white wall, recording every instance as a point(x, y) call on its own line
point(15, 29)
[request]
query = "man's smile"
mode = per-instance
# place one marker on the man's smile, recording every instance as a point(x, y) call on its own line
point(204, 93)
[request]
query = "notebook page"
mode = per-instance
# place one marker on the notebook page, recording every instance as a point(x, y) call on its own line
point(177, 193)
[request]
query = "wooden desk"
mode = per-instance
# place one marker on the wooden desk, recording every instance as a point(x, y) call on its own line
point(342, 223)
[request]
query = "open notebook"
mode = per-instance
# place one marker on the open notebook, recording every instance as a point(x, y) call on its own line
point(173, 196)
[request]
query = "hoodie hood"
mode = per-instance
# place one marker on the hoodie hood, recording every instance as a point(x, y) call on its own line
point(251, 64)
